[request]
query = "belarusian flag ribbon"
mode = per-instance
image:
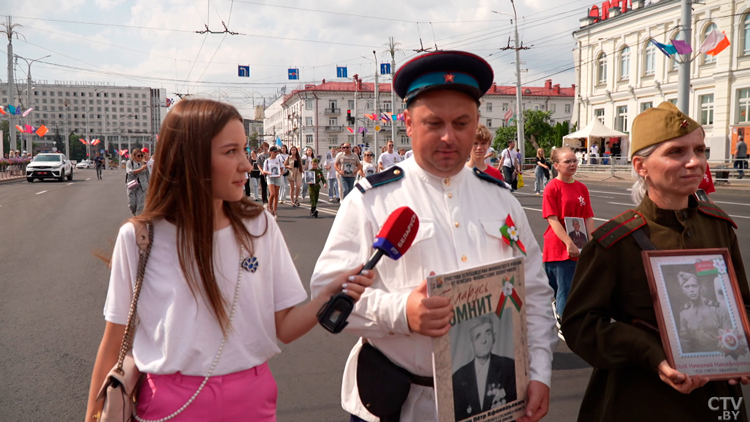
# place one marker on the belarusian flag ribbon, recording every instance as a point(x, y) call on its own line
point(509, 292)
point(511, 237)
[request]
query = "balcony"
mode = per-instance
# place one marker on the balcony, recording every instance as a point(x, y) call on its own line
point(333, 110)
point(308, 129)
point(333, 128)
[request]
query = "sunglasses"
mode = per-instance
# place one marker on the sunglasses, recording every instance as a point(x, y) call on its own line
point(369, 155)
point(345, 147)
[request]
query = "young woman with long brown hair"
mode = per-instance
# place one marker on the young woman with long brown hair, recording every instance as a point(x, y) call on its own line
point(294, 164)
point(206, 234)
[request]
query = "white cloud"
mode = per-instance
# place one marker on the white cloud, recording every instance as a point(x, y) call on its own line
point(108, 4)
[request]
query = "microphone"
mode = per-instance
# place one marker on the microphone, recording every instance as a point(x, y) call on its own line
point(393, 240)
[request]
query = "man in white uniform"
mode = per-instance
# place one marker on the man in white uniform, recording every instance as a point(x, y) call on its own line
point(395, 316)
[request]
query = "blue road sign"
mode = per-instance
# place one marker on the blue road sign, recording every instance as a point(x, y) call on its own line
point(341, 71)
point(385, 68)
point(243, 71)
point(293, 74)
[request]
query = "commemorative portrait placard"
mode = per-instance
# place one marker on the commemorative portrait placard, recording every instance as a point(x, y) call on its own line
point(702, 320)
point(482, 366)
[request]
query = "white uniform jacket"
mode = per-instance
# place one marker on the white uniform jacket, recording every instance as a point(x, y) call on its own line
point(459, 227)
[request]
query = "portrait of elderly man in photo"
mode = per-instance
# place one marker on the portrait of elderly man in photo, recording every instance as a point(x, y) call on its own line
point(489, 380)
point(701, 318)
point(578, 237)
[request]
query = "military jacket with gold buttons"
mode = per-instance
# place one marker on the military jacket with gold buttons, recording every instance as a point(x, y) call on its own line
point(459, 228)
point(610, 293)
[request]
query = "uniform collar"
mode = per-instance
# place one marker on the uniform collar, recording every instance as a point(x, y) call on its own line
point(668, 218)
point(431, 179)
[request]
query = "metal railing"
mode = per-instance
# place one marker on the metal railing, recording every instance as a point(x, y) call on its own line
point(11, 170)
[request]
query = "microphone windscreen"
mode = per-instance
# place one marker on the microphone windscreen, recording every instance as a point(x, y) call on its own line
point(398, 233)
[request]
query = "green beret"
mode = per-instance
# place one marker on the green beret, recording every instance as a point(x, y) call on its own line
point(659, 124)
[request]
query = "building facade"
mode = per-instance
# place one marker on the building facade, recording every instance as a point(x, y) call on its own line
point(316, 116)
point(620, 73)
point(121, 114)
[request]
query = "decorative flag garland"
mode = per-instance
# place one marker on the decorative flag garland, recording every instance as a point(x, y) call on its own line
point(509, 292)
point(511, 236)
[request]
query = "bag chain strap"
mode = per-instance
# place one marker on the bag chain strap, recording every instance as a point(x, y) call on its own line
point(127, 338)
point(218, 353)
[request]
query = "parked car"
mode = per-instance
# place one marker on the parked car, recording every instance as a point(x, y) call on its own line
point(85, 164)
point(49, 166)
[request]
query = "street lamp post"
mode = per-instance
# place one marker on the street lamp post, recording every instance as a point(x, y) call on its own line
point(30, 119)
point(519, 96)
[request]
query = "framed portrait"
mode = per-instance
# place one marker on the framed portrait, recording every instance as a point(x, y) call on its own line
point(702, 320)
point(310, 177)
point(576, 228)
point(329, 157)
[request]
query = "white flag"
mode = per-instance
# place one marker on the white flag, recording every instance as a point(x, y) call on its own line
point(712, 40)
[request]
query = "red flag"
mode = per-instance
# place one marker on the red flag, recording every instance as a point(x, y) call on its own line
point(83, 141)
point(42, 131)
point(724, 43)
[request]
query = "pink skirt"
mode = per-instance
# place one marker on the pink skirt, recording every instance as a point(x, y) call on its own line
point(248, 395)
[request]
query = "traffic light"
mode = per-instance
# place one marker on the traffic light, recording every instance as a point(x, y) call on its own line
point(349, 118)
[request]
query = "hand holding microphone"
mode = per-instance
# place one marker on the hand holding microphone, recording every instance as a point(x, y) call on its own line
point(393, 240)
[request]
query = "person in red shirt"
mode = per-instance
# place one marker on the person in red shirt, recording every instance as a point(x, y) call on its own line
point(479, 151)
point(563, 197)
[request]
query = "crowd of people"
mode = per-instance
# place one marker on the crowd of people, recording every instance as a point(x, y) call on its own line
point(199, 328)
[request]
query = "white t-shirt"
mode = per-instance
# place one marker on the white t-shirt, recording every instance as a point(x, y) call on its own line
point(389, 159)
point(369, 168)
point(330, 169)
point(408, 154)
point(274, 166)
point(488, 160)
point(177, 331)
point(509, 158)
point(150, 165)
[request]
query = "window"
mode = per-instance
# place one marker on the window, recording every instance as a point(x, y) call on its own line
point(309, 139)
point(650, 62)
point(599, 114)
point(743, 103)
point(707, 109)
point(621, 122)
point(567, 108)
point(308, 121)
point(553, 107)
point(505, 106)
point(625, 63)
point(333, 139)
point(746, 35)
point(386, 106)
point(368, 105)
point(351, 104)
point(489, 108)
point(706, 58)
point(645, 106)
point(489, 123)
point(536, 107)
point(352, 139)
point(601, 68)
point(333, 121)
point(673, 101)
point(331, 103)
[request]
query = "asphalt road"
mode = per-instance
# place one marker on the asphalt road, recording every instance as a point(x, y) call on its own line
point(52, 290)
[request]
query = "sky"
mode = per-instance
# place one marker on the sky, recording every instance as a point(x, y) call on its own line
point(154, 42)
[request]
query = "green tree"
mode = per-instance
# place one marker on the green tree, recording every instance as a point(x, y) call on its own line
point(537, 130)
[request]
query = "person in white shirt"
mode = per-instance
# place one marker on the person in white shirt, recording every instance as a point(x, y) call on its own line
point(273, 169)
point(368, 167)
point(333, 182)
point(394, 316)
point(388, 158)
point(491, 153)
point(509, 165)
point(219, 276)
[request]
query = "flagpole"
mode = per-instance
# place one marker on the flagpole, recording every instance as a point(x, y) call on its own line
point(683, 84)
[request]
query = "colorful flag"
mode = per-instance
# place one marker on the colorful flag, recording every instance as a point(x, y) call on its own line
point(278, 141)
point(362, 130)
point(385, 117)
point(350, 130)
point(720, 46)
point(29, 129)
point(96, 142)
point(508, 114)
point(20, 129)
point(26, 113)
point(682, 47)
point(668, 50)
point(400, 117)
point(2, 111)
point(711, 41)
point(18, 110)
point(370, 116)
point(42, 131)
point(83, 141)
point(11, 109)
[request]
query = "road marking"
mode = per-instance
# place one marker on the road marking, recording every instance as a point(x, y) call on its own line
point(620, 203)
point(39, 193)
point(602, 197)
point(731, 203)
point(609, 193)
point(69, 184)
point(88, 178)
point(738, 216)
point(537, 209)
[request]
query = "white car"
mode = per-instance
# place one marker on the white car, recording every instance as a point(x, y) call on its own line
point(85, 164)
point(49, 166)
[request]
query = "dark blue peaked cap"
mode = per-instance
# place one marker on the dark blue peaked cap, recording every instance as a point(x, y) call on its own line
point(457, 70)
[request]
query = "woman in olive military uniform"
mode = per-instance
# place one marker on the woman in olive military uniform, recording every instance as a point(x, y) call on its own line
point(610, 319)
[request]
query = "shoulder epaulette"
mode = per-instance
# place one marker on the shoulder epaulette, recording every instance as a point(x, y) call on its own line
point(615, 229)
point(487, 178)
point(379, 179)
point(713, 210)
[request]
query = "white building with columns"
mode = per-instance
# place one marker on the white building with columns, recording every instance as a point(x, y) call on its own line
point(620, 72)
point(316, 116)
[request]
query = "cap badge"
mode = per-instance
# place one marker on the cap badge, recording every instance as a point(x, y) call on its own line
point(684, 123)
point(448, 77)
